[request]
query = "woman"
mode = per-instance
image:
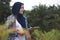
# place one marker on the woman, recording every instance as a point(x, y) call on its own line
point(18, 18)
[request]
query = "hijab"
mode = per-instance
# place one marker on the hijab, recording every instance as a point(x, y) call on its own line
point(20, 18)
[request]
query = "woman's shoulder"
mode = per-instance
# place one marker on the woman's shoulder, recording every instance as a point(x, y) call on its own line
point(10, 17)
point(10, 20)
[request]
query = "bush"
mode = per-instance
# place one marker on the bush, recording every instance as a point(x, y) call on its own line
point(51, 35)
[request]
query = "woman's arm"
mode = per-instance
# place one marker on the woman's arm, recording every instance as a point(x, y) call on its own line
point(11, 29)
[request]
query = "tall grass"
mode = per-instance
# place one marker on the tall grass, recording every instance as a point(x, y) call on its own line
point(37, 34)
point(3, 32)
point(51, 35)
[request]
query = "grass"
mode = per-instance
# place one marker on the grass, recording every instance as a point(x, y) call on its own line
point(51, 35)
point(3, 32)
point(37, 34)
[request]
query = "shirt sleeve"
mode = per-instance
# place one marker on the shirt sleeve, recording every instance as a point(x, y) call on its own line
point(10, 22)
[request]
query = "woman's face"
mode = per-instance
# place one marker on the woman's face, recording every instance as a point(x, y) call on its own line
point(21, 9)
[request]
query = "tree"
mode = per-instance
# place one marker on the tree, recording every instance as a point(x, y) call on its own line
point(4, 10)
point(46, 18)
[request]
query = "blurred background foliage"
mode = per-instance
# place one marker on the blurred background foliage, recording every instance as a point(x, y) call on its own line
point(5, 10)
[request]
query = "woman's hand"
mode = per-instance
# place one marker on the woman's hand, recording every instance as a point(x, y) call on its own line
point(21, 33)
